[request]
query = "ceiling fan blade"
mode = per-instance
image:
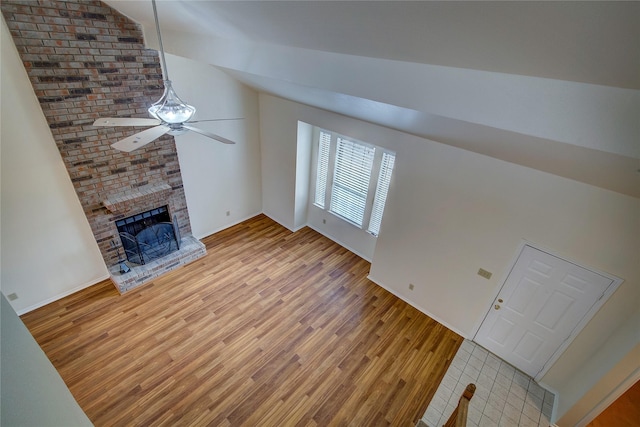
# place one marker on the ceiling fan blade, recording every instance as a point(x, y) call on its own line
point(209, 134)
point(214, 120)
point(126, 121)
point(141, 139)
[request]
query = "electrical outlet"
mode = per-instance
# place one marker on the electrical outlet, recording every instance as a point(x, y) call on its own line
point(484, 273)
point(324, 221)
point(411, 286)
point(228, 213)
point(12, 297)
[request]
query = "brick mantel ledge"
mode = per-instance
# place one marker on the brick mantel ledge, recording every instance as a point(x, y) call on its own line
point(123, 202)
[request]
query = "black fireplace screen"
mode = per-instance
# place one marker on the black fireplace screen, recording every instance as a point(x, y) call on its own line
point(148, 235)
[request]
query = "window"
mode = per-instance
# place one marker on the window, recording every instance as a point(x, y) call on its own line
point(324, 144)
point(384, 179)
point(352, 179)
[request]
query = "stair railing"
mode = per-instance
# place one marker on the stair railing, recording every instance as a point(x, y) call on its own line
point(459, 416)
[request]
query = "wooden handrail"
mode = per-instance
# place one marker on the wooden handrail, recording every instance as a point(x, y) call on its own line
point(459, 416)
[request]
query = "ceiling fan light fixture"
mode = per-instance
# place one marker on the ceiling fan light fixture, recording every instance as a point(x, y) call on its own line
point(170, 108)
point(171, 114)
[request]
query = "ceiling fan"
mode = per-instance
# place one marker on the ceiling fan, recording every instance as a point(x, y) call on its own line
point(170, 114)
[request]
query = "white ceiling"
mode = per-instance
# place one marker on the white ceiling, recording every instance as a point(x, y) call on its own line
point(549, 85)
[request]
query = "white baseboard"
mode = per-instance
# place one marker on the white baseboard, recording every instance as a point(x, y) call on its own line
point(100, 279)
point(618, 391)
point(422, 309)
point(224, 227)
point(300, 228)
point(62, 295)
point(328, 236)
point(275, 218)
point(554, 411)
point(333, 239)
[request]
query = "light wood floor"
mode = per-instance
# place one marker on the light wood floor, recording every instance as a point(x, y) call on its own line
point(271, 328)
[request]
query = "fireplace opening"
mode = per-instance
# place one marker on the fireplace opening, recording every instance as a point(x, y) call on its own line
point(148, 235)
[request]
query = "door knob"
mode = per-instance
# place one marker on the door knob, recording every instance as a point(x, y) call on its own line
point(497, 307)
point(500, 300)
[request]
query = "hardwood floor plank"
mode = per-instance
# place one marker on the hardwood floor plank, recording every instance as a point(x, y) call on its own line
point(271, 328)
point(623, 412)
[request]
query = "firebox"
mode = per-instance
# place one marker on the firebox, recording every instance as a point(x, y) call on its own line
point(148, 235)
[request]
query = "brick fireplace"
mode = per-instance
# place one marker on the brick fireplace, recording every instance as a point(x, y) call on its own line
point(87, 61)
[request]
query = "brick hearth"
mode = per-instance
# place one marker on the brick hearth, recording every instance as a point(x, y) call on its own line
point(190, 250)
point(86, 61)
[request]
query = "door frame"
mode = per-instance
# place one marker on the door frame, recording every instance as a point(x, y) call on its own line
point(616, 281)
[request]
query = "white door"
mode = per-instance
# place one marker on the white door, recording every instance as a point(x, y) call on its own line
point(539, 306)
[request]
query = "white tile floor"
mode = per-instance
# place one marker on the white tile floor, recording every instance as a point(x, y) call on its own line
point(504, 396)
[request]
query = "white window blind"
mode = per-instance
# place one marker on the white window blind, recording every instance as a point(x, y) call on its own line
point(324, 145)
point(352, 172)
point(382, 189)
point(352, 179)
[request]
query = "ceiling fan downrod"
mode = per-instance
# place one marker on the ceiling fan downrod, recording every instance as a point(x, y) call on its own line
point(169, 108)
point(170, 114)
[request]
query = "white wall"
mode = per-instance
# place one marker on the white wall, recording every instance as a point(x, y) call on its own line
point(284, 159)
point(303, 173)
point(218, 178)
point(278, 133)
point(452, 211)
point(32, 392)
point(599, 390)
point(48, 250)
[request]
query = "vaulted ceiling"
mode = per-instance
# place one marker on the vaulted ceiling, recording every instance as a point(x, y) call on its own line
point(548, 85)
